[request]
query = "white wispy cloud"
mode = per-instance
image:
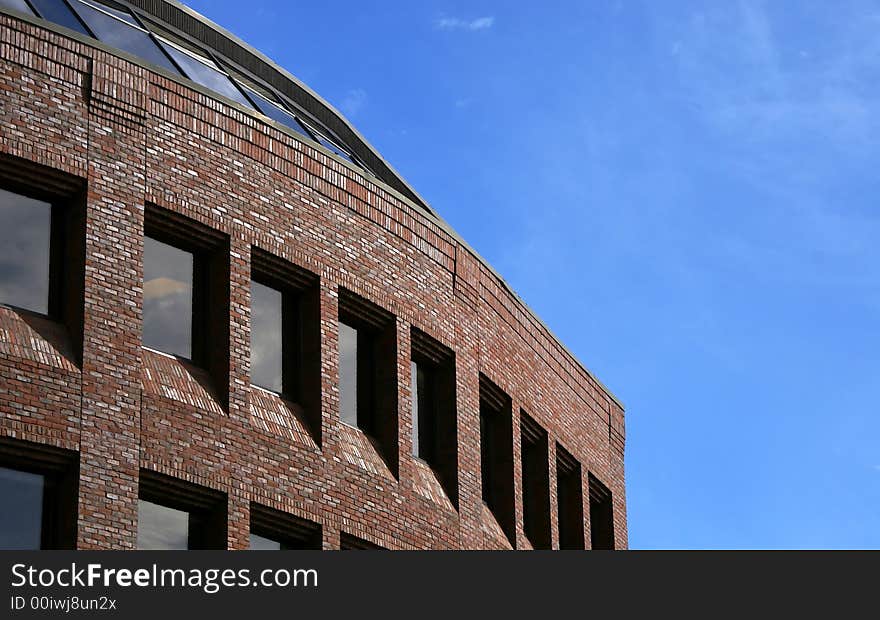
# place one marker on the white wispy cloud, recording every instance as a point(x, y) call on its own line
point(354, 102)
point(471, 25)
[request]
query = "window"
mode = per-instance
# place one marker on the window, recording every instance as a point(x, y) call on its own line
point(22, 512)
point(25, 233)
point(168, 298)
point(38, 496)
point(17, 5)
point(348, 375)
point(186, 293)
point(496, 455)
point(267, 341)
point(286, 334)
point(368, 372)
point(173, 514)
point(331, 145)
point(202, 70)
point(535, 482)
point(161, 527)
point(273, 110)
point(347, 542)
point(434, 424)
point(59, 12)
point(119, 29)
point(601, 516)
point(570, 500)
point(42, 246)
point(273, 530)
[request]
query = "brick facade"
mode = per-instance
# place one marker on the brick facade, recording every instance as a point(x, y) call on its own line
point(138, 140)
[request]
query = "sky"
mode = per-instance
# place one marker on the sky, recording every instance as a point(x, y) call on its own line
point(686, 193)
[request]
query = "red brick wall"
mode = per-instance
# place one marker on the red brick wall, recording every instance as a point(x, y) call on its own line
point(138, 138)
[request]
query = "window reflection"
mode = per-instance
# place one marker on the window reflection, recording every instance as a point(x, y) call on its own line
point(168, 298)
point(348, 355)
point(21, 509)
point(260, 543)
point(18, 5)
point(266, 337)
point(122, 34)
point(58, 12)
point(161, 528)
point(25, 226)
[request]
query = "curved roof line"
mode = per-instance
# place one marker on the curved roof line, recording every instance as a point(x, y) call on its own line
point(192, 24)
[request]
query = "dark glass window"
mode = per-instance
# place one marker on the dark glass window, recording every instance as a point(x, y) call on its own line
point(122, 32)
point(21, 509)
point(161, 527)
point(117, 13)
point(601, 515)
point(174, 514)
point(59, 12)
point(496, 455)
point(348, 375)
point(368, 373)
point(168, 298)
point(333, 148)
point(267, 329)
point(25, 232)
point(203, 71)
point(535, 469)
point(434, 424)
point(276, 113)
point(38, 496)
point(18, 5)
point(570, 499)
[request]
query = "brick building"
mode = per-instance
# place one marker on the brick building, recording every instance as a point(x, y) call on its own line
point(227, 322)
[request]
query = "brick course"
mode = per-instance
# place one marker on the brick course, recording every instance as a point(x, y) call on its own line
point(137, 138)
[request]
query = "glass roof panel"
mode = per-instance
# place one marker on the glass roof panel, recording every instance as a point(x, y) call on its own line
point(58, 12)
point(205, 72)
point(122, 34)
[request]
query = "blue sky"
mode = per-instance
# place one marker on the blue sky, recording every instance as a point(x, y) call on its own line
point(685, 192)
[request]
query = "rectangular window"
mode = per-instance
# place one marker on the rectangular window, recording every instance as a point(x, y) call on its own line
point(17, 5)
point(434, 424)
point(21, 516)
point(601, 516)
point(535, 482)
point(42, 246)
point(161, 527)
point(174, 514)
point(274, 530)
point(570, 500)
point(368, 372)
point(273, 110)
point(168, 298)
point(25, 234)
point(286, 334)
point(186, 293)
point(267, 342)
point(38, 496)
point(58, 12)
point(119, 29)
point(496, 455)
point(202, 70)
point(348, 376)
